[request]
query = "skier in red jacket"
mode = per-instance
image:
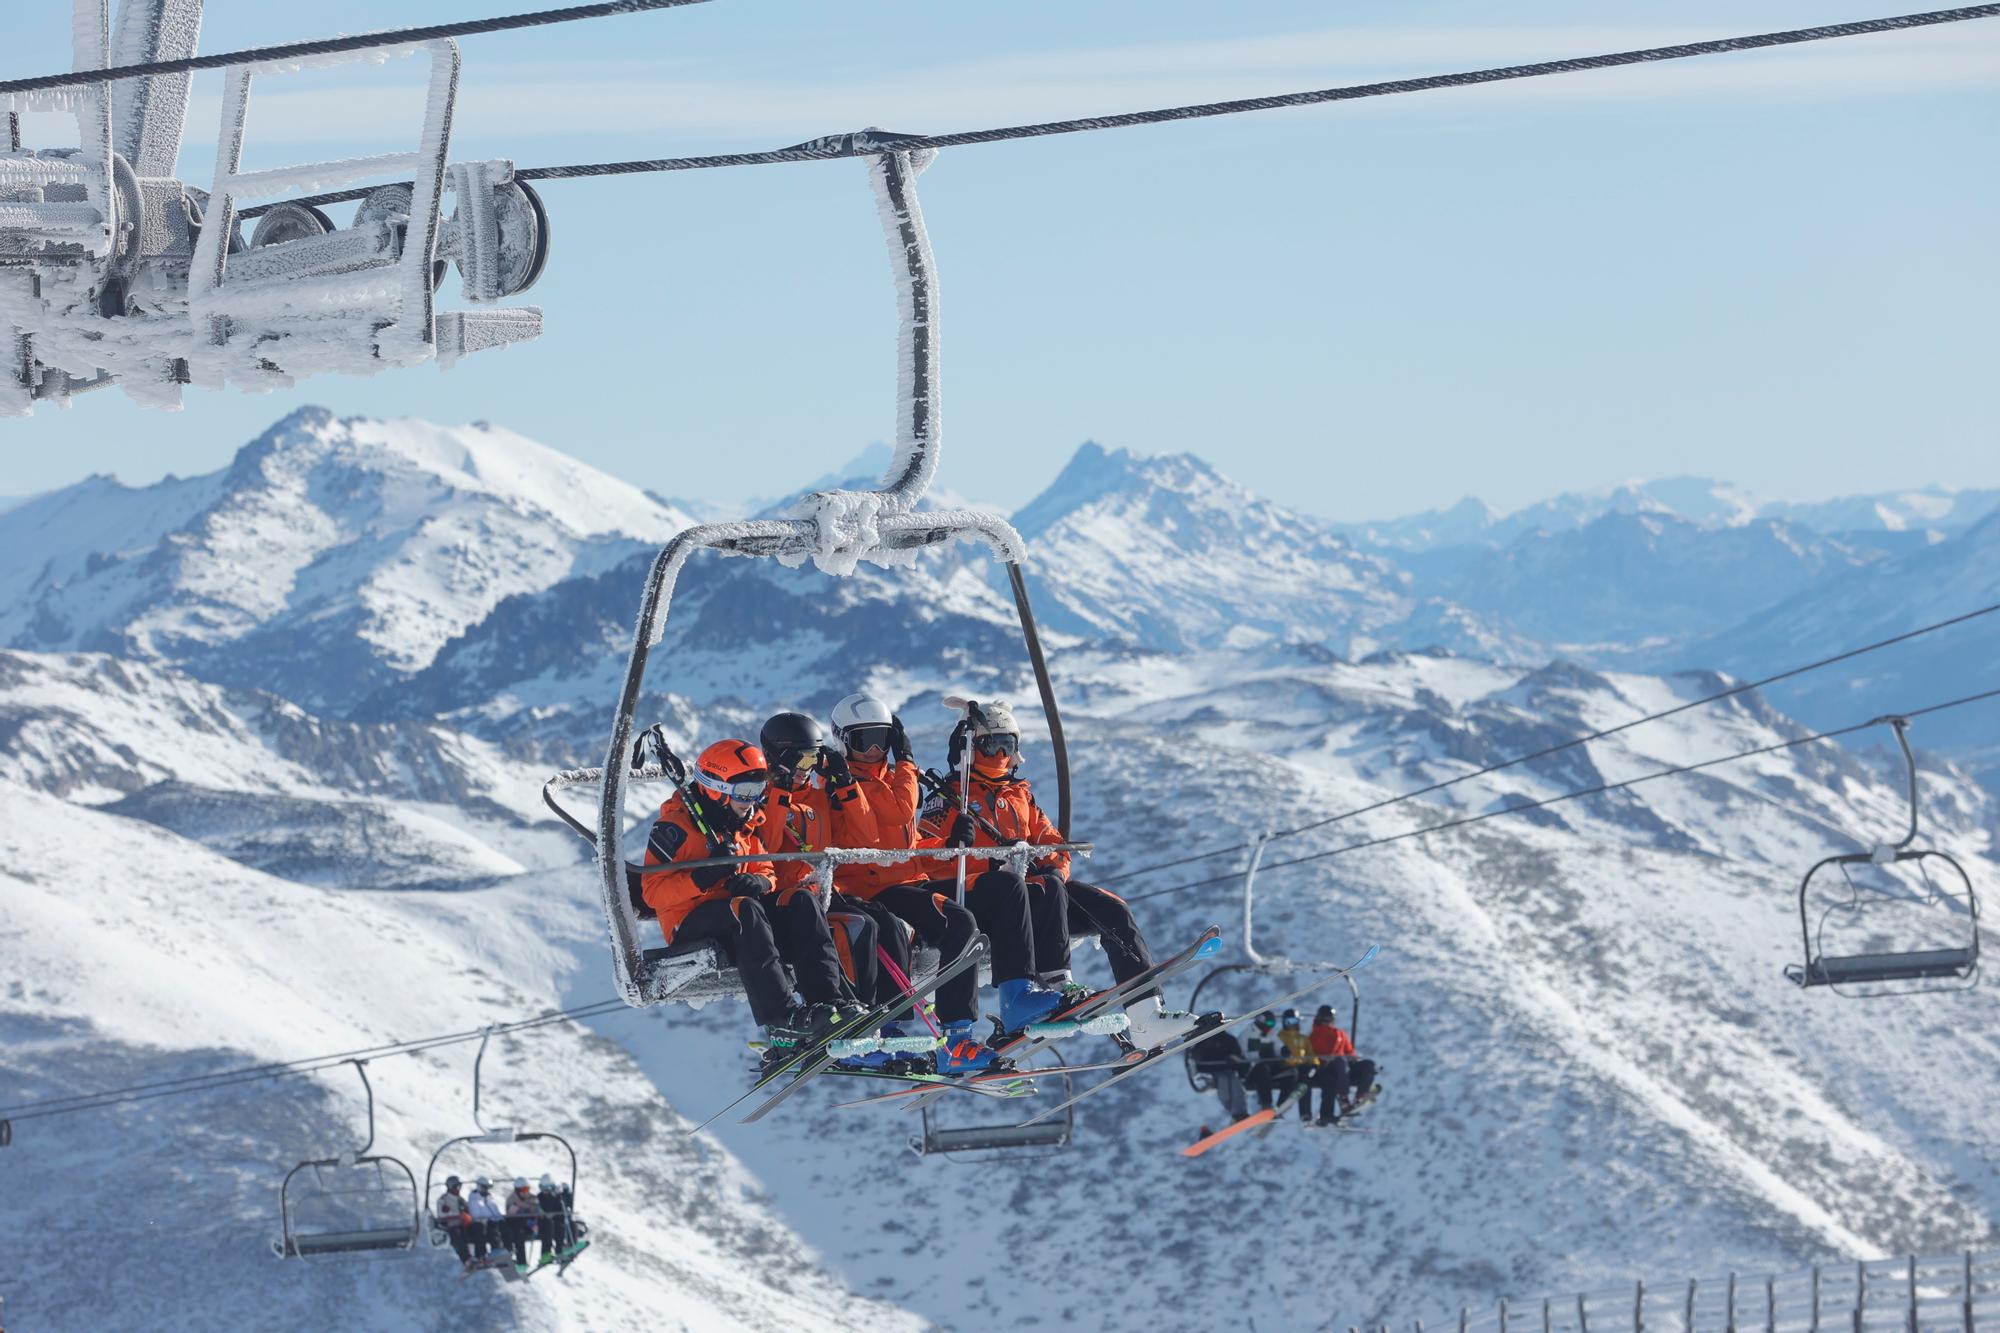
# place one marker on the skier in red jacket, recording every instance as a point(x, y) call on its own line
point(1342, 1076)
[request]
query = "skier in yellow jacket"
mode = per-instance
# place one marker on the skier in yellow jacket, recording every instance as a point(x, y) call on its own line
point(1301, 1059)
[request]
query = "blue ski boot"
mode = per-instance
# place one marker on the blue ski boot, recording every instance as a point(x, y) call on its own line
point(1023, 1002)
point(961, 1053)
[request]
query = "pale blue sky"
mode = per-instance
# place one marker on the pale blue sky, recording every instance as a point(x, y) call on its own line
point(1776, 268)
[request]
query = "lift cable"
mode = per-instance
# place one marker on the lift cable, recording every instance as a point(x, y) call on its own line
point(224, 1078)
point(328, 46)
point(1543, 753)
point(1598, 790)
point(870, 144)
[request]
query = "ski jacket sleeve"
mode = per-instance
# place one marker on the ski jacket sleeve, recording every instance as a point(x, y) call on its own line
point(483, 1208)
point(880, 811)
point(517, 1206)
point(1329, 1041)
point(451, 1209)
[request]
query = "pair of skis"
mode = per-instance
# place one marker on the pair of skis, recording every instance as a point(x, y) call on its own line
point(815, 1057)
point(1017, 1082)
point(1066, 1022)
point(1261, 1123)
point(1205, 1030)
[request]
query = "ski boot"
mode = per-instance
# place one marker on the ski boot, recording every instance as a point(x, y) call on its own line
point(1023, 1002)
point(803, 1025)
point(961, 1054)
point(1154, 1025)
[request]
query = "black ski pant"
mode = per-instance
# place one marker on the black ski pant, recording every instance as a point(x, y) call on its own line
point(1089, 910)
point(461, 1243)
point(1341, 1075)
point(1229, 1088)
point(765, 933)
point(873, 982)
point(555, 1232)
point(940, 922)
point(517, 1230)
point(1272, 1081)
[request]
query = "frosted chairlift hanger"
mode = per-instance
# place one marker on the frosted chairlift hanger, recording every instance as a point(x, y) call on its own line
point(836, 530)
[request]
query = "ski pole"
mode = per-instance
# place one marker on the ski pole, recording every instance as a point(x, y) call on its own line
point(903, 983)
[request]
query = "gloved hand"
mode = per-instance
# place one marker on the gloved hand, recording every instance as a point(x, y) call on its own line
point(963, 831)
point(708, 877)
point(833, 767)
point(741, 885)
point(955, 751)
point(899, 741)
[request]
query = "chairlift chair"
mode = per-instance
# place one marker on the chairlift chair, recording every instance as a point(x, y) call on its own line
point(1257, 964)
point(836, 530)
point(1014, 1143)
point(1931, 969)
point(496, 1134)
point(397, 1231)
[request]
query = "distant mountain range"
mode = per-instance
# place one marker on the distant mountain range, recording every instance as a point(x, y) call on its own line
point(400, 570)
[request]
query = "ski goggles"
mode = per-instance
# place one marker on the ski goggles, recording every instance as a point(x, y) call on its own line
point(860, 739)
point(1000, 742)
point(743, 791)
point(798, 761)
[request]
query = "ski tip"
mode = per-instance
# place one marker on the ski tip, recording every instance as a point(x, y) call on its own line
point(1366, 958)
point(1209, 947)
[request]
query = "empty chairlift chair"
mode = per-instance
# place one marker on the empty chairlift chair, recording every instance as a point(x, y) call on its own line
point(358, 1202)
point(1922, 895)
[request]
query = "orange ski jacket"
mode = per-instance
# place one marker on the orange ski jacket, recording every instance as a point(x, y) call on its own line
point(679, 836)
point(1009, 805)
point(883, 815)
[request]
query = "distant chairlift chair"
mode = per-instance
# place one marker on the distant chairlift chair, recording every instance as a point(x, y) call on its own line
point(579, 1230)
point(1955, 968)
point(1258, 964)
point(307, 1188)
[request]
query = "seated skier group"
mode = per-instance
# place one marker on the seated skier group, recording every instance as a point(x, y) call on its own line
point(797, 790)
point(1284, 1063)
point(485, 1233)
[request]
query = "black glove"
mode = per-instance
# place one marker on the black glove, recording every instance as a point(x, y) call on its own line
point(899, 741)
point(833, 767)
point(742, 885)
point(963, 831)
point(708, 877)
point(955, 751)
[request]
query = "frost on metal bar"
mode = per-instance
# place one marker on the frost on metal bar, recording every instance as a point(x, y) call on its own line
point(112, 271)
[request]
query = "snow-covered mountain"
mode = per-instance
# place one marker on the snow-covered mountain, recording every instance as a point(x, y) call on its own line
point(1930, 584)
point(1593, 1062)
point(1631, 578)
point(332, 556)
point(1702, 501)
point(1168, 553)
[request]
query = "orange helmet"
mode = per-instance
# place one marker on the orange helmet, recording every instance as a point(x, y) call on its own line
point(732, 771)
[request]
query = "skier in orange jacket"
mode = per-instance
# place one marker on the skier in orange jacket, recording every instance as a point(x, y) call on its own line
point(877, 752)
point(987, 743)
point(717, 815)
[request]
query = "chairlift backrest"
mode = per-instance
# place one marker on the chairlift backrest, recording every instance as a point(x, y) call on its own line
point(1947, 960)
point(313, 1221)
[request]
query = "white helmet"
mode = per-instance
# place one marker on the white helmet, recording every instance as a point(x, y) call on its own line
point(549, 1183)
point(859, 710)
point(992, 718)
point(520, 1182)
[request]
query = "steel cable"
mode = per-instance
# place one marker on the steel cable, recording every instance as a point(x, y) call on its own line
point(328, 46)
point(1598, 790)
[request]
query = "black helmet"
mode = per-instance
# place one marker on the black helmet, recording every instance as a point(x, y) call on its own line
point(1266, 1020)
point(791, 743)
point(1291, 1019)
point(1325, 1014)
point(452, 1182)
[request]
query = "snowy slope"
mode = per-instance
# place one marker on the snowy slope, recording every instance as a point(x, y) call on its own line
point(331, 556)
point(230, 967)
